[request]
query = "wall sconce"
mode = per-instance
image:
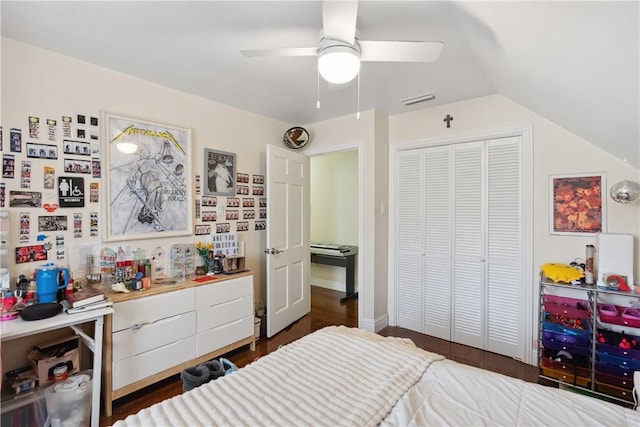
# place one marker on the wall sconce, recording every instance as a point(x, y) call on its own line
point(625, 191)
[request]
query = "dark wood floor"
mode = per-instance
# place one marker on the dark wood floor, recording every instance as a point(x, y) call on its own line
point(325, 310)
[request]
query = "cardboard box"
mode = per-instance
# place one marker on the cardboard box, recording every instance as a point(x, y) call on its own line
point(22, 380)
point(46, 357)
point(233, 263)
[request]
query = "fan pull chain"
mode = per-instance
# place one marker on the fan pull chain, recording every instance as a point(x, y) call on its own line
point(318, 101)
point(358, 113)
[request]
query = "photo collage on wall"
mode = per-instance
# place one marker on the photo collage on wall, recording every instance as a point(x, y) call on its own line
point(247, 209)
point(59, 161)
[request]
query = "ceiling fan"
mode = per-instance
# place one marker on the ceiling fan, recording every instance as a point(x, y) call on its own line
point(340, 52)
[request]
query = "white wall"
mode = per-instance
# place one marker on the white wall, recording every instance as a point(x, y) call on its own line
point(334, 210)
point(369, 134)
point(41, 83)
point(555, 151)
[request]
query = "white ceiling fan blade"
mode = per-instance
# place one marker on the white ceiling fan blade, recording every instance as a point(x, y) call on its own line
point(400, 51)
point(339, 20)
point(291, 51)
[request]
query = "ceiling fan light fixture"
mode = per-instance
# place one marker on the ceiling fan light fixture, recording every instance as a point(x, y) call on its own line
point(338, 64)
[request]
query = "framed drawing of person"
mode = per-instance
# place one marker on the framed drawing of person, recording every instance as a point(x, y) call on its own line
point(219, 172)
point(149, 178)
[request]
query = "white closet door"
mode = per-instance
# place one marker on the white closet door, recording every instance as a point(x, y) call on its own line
point(409, 253)
point(469, 298)
point(437, 242)
point(505, 292)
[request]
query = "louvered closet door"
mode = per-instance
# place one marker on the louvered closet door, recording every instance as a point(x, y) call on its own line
point(437, 242)
point(469, 298)
point(409, 259)
point(504, 247)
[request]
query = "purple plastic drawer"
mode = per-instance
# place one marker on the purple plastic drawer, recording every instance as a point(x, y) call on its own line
point(566, 306)
point(615, 370)
point(573, 349)
point(565, 338)
point(623, 362)
point(618, 351)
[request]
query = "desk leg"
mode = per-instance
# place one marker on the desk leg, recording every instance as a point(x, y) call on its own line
point(97, 373)
point(350, 279)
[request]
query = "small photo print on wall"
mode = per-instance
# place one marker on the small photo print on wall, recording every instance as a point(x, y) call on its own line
point(15, 140)
point(42, 151)
point(242, 190)
point(224, 227)
point(202, 229)
point(233, 202)
point(79, 148)
point(77, 166)
point(34, 127)
point(52, 223)
point(261, 225)
point(242, 178)
point(242, 226)
point(66, 126)
point(31, 254)
point(209, 201)
point(52, 126)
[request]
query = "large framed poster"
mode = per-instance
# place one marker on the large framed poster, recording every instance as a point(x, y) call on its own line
point(148, 172)
point(577, 205)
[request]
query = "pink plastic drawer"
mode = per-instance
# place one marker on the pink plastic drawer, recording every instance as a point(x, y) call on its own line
point(566, 306)
point(616, 315)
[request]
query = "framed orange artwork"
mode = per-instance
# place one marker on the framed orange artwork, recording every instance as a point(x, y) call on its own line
point(577, 205)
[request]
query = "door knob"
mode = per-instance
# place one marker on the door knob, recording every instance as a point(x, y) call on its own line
point(275, 251)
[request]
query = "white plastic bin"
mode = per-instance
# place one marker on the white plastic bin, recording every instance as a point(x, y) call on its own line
point(69, 402)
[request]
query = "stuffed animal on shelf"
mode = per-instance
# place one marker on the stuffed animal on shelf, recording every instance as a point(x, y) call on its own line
point(561, 272)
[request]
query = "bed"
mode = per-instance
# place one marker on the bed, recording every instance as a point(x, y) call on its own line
point(347, 376)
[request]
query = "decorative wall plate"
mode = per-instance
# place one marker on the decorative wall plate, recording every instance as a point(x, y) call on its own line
point(296, 138)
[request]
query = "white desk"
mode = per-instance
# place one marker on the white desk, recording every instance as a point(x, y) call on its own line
point(18, 328)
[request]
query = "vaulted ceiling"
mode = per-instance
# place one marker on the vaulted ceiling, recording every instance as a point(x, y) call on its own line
point(574, 63)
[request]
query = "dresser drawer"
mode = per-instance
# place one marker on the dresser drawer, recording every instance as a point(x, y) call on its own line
point(152, 308)
point(222, 313)
point(220, 292)
point(149, 336)
point(136, 368)
point(220, 336)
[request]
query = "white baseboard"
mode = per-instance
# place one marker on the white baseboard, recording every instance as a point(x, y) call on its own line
point(375, 325)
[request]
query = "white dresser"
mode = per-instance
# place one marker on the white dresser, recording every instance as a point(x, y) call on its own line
point(161, 331)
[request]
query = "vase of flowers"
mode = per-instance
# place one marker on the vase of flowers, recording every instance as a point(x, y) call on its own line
point(204, 249)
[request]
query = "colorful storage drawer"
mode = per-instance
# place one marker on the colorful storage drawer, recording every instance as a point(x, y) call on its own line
point(565, 321)
point(567, 337)
point(612, 390)
point(573, 349)
point(615, 370)
point(616, 315)
point(566, 306)
point(568, 368)
point(618, 344)
point(622, 382)
point(623, 362)
point(566, 377)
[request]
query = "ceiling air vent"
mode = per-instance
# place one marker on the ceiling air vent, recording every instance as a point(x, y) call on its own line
point(418, 99)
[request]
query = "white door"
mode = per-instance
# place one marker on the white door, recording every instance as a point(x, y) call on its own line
point(288, 289)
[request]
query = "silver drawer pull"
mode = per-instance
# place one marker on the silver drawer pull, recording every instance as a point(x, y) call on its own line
point(137, 326)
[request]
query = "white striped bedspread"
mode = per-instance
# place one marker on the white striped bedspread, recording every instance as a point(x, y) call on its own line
point(334, 376)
